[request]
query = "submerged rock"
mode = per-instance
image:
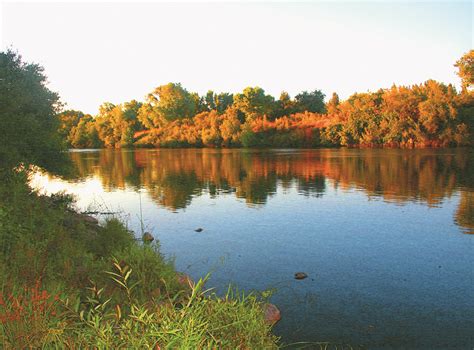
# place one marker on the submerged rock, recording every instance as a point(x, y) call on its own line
point(148, 237)
point(272, 314)
point(198, 229)
point(300, 275)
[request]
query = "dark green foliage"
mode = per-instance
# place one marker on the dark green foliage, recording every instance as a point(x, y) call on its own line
point(218, 102)
point(310, 102)
point(28, 121)
point(250, 139)
point(223, 100)
point(253, 102)
point(283, 106)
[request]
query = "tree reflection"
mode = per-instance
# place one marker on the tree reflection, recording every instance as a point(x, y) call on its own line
point(173, 177)
point(465, 212)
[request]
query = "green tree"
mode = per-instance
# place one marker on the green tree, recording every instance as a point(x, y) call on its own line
point(254, 102)
point(223, 101)
point(210, 100)
point(284, 106)
point(217, 102)
point(105, 124)
point(28, 116)
point(117, 124)
point(67, 121)
point(79, 136)
point(167, 103)
point(128, 122)
point(310, 102)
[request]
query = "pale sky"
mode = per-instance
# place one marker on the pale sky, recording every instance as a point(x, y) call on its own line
point(116, 52)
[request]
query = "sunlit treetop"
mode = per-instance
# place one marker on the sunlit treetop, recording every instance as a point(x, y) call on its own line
point(465, 67)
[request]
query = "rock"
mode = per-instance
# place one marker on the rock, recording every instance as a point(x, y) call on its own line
point(198, 229)
point(300, 275)
point(185, 280)
point(272, 314)
point(148, 237)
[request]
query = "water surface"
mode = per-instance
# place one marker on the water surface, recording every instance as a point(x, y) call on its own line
point(384, 235)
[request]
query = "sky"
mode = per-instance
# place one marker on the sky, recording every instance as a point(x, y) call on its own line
point(116, 52)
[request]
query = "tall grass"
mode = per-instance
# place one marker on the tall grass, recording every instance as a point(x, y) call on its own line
point(66, 282)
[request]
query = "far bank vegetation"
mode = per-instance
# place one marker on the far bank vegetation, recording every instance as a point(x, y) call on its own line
point(431, 114)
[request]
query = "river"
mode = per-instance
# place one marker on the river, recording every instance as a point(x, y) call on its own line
point(384, 235)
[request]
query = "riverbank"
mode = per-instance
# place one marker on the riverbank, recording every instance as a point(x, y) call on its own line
point(67, 281)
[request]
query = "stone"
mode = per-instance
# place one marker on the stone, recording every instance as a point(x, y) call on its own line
point(272, 314)
point(148, 237)
point(300, 275)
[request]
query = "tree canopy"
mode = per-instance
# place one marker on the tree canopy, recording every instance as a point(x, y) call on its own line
point(254, 102)
point(431, 114)
point(28, 115)
point(167, 103)
point(465, 67)
point(310, 101)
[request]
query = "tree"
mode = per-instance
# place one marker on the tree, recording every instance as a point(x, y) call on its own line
point(465, 129)
point(223, 101)
point(210, 133)
point(210, 100)
point(84, 134)
point(167, 103)
point(465, 67)
point(28, 116)
point(284, 105)
point(230, 127)
point(67, 121)
point(116, 124)
point(253, 102)
point(128, 122)
point(333, 103)
point(437, 114)
point(310, 102)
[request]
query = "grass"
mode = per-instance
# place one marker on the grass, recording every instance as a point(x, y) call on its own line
point(66, 282)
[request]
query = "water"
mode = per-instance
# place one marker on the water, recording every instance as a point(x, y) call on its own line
point(385, 236)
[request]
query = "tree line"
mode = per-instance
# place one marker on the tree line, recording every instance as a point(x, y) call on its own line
point(431, 114)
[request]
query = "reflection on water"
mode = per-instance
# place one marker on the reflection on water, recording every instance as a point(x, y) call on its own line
point(174, 177)
point(379, 233)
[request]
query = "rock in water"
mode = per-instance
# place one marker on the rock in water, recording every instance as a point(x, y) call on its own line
point(300, 275)
point(198, 229)
point(272, 314)
point(148, 237)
